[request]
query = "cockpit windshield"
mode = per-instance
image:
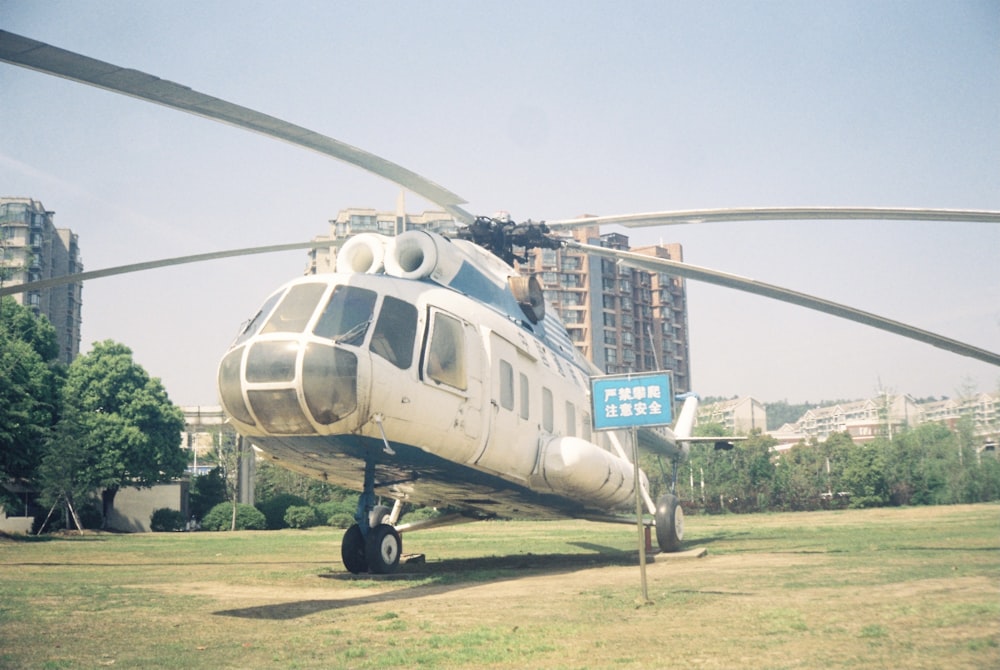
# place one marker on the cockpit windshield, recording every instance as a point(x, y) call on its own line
point(295, 309)
point(347, 315)
point(250, 327)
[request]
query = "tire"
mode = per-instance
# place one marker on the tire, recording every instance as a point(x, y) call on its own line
point(352, 550)
point(383, 549)
point(669, 522)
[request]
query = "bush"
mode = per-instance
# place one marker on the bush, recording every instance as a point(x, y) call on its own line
point(165, 520)
point(220, 517)
point(300, 516)
point(274, 509)
point(421, 514)
point(337, 513)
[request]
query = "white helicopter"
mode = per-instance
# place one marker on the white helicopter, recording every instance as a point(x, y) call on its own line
point(426, 369)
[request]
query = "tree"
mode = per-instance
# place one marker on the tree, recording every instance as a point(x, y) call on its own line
point(126, 424)
point(865, 474)
point(30, 378)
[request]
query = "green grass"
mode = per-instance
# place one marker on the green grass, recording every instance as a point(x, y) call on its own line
point(915, 588)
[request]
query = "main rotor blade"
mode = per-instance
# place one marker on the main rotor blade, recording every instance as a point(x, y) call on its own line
point(682, 217)
point(150, 265)
point(35, 55)
point(787, 295)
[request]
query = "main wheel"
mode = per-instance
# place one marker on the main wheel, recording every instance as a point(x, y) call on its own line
point(383, 549)
point(669, 522)
point(352, 550)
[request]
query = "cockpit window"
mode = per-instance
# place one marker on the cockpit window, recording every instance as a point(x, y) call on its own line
point(346, 316)
point(293, 313)
point(395, 332)
point(446, 352)
point(251, 327)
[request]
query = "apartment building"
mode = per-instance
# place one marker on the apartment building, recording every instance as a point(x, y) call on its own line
point(739, 416)
point(886, 415)
point(31, 249)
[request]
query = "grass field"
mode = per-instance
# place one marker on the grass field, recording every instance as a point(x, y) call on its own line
point(899, 588)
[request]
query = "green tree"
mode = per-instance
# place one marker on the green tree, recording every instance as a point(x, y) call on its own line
point(865, 474)
point(30, 378)
point(207, 491)
point(125, 422)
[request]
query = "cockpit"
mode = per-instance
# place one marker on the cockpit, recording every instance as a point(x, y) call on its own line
point(294, 368)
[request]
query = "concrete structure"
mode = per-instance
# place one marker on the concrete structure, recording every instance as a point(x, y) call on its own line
point(134, 507)
point(31, 249)
point(739, 416)
point(622, 319)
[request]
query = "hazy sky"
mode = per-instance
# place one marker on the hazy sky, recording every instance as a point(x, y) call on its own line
point(546, 110)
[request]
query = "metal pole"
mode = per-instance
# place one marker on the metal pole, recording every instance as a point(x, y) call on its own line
point(638, 515)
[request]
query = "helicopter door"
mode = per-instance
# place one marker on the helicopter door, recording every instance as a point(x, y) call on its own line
point(512, 448)
point(452, 364)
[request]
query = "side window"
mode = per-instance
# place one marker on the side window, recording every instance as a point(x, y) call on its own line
point(570, 419)
point(506, 385)
point(445, 362)
point(548, 422)
point(525, 397)
point(395, 332)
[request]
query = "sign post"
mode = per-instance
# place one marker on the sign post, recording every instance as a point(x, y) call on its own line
point(630, 401)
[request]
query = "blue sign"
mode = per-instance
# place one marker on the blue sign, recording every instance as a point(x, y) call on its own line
point(631, 400)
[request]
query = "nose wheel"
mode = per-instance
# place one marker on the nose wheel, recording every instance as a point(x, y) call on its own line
point(372, 544)
point(382, 549)
point(378, 553)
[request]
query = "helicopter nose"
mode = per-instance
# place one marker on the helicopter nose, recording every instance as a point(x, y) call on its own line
point(288, 387)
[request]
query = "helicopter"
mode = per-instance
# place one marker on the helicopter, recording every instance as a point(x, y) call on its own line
point(427, 369)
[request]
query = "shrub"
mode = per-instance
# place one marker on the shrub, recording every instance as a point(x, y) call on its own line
point(220, 517)
point(340, 520)
point(337, 513)
point(421, 514)
point(301, 516)
point(274, 508)
point(165, 520)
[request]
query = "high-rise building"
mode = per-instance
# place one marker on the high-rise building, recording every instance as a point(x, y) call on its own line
point(31, 249)
point(622, 319)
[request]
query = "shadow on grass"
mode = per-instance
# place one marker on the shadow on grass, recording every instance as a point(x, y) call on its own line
point(442, 577)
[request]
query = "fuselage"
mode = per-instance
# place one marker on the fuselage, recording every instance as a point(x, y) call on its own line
point(459, 402)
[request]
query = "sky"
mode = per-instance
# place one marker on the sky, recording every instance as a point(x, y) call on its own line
point(547, 111)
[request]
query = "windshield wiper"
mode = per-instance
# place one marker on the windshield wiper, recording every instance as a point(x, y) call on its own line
point(357, 332)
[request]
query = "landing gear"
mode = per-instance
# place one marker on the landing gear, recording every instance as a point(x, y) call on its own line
point(669, 522)
point(372, 544)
